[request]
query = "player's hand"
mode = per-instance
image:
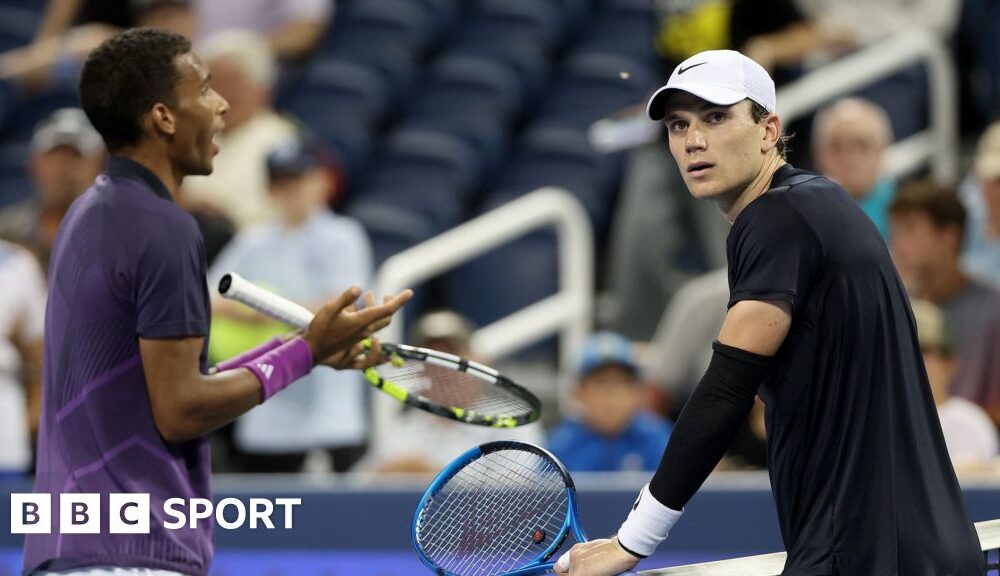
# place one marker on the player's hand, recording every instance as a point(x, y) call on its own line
point(339, 327)
point(596, 558)
point(358, 357)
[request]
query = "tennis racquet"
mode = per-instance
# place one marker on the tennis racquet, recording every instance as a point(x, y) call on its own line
point(500, 509)
point(442, 384)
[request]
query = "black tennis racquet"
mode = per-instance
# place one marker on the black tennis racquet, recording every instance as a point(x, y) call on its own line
point(500, 509)
point(443, 384)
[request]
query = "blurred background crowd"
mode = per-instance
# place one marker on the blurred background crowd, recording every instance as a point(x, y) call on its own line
point(359, 129)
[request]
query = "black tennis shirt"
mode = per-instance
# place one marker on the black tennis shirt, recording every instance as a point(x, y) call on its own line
point(861, 477)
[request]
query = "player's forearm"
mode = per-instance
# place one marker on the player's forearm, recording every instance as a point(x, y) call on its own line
point(710, 420)
point(209, 404)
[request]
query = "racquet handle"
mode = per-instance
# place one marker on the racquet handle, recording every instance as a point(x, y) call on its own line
point(235, 287)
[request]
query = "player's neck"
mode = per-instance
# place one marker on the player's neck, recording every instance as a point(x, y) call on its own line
point(157, 162)
point(761, 183)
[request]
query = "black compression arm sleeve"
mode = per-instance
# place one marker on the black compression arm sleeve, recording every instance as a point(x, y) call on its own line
point(709, 422)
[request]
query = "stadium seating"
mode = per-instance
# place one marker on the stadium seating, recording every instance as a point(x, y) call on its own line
point(468, 87)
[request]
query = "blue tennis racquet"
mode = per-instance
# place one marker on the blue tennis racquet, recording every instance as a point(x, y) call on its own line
point(500, 509)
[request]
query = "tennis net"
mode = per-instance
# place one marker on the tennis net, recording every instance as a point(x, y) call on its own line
point(772, 564)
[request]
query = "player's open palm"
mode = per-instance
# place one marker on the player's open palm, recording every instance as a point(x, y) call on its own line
point(339, 326)
point(596, 558)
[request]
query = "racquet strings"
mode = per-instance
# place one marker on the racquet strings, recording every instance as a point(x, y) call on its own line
point(452, 388)
point(498, 513)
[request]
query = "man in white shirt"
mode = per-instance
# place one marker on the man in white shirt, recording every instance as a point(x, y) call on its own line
point(968, 431)
point(22, 319)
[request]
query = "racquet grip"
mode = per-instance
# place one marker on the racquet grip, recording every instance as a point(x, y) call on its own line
point(235, 287)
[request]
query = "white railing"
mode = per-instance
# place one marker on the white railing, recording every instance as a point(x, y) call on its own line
point(567, 313)
point(938, 144)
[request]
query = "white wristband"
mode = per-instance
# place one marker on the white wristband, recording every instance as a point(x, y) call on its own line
point(647, 524)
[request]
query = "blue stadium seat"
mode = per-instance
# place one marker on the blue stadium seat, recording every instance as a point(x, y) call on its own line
point(391, 228)
point(375, 23)
point(27, 111)
point(468, 87)
point(15, 182)
point(394, 64)
point(505, 280)
point(335, 89)
point(427, 172)
point(487, 136)
point(527, 61)
point(512, 22)
point(563, 157)
point(592, 86)
point(17, 26)
point(623, 27)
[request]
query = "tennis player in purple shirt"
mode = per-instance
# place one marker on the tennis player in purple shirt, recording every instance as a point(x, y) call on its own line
point(127, 395)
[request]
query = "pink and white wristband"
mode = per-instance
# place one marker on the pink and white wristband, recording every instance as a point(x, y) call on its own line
point(281, 366)
point(647, 525)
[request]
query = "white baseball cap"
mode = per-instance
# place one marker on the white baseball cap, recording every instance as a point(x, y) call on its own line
point(722, 77)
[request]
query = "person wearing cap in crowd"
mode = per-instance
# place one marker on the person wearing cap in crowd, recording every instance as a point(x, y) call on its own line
point(820, 325)
point(309, 255)
point(611, 432)
point(67, 154)
point(968, 431)
point(981, 196)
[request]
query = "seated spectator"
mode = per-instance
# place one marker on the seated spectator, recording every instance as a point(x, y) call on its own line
point(22, 319)
point(981, 196)
point(310, 255)
point(422, 443)
point(927, 224)
point(968, 431)
point(243, 72)
point(70, 29)
point(849, 141)
point(291, 28)
point(67, 154)
point(612, 432)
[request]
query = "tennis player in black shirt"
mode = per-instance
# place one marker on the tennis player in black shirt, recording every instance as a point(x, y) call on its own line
point(819, 324)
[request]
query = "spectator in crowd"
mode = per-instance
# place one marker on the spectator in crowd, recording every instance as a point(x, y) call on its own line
point(67, 154)
point(243, 72)
point(927, 224)
point(968, 431)
point(22, 319)
point(612, 432)
point(310, 255)
point(291, 28)
point(423, 443)
point(70, 29)
point(849, 141)
point(981, 195)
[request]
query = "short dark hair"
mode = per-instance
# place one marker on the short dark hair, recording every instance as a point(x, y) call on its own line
point(939, 203)
point(125, 76)
point(758, 113)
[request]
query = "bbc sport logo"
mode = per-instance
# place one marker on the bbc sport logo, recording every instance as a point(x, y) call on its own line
point(130, 513)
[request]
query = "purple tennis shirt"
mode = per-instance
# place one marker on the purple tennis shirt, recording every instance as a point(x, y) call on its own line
point(127, 263)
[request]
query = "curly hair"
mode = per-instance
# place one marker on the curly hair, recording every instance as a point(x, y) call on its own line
point(124, 77)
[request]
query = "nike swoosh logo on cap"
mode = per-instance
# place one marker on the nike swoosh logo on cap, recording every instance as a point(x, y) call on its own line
point(681, 70)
